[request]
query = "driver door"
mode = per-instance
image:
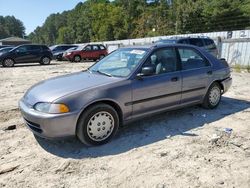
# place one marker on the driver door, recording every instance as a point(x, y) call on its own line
point(24, 54)
point(160, 90)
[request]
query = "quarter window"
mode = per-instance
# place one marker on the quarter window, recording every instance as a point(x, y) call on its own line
point(190, 59)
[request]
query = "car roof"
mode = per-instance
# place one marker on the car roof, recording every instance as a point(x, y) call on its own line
point(159, 45)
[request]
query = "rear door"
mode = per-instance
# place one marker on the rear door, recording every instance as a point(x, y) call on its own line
point(195, 71)
point(36, 53)
point(160, 90)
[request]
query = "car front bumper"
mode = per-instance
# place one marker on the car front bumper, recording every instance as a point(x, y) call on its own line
point(226, 84)
point(49, 126)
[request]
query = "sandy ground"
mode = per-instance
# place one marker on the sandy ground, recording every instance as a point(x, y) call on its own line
point(183, 148)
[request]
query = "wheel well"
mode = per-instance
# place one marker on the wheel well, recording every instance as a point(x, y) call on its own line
point(45, 56)
point(220, 84)
point(111, 103)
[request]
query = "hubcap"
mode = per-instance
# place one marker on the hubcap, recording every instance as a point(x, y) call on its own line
point(214, 95)
point(100, 126)
point(46, 60)
point(77, 58)
point(9, 62)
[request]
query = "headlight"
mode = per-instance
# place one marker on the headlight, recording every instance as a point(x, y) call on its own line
point(51, 108)
point(68, 53)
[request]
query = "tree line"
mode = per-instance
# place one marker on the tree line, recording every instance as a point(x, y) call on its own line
point(102, 20)
point(10, 26)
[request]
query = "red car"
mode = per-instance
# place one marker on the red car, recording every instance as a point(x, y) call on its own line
point(90, 51)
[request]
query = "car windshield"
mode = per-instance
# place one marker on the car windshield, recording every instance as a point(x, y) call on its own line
point(119, 63)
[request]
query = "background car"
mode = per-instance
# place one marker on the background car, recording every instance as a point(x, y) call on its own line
point(6, 49)
point(26, 54)
point(203, 42)
point(128, 84)
point(58, 50)
point(4, 46)
point(90, 51)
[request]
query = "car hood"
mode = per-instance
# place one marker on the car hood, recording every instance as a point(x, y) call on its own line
point(54, 88)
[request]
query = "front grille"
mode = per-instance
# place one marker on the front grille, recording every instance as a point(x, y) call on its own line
point(34, 126)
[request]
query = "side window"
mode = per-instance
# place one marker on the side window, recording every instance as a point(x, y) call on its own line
point(196, 42)
point(87, 48)
point(22, 49)
point(190, 59)
point(34, 48)
point(163, 61)
point(95, 47)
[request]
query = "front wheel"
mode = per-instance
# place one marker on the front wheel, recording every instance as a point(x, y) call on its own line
point(97, 125)
point(213, 96)
point(77, 58)
point(45, 61)
point(8, 62)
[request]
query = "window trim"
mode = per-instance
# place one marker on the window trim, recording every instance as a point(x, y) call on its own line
point(198, 52)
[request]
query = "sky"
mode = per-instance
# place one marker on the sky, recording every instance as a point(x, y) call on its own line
point(33, 13)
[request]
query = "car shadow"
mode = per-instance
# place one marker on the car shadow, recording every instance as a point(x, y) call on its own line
point(148, 131)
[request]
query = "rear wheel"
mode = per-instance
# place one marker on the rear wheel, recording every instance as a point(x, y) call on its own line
point(213, 96)
point(77, 58)
point(45, 61)
point(8, 62)
point(101, 57)
point(97, 125)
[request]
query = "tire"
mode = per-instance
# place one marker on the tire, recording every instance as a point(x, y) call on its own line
point(213, 96)
point(97, 125)
point(8, 62)
point(77, 58)
point(45, 60)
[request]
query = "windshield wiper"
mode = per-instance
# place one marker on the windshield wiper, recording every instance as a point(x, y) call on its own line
point(104, 73)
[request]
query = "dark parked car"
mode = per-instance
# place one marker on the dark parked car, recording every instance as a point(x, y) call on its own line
point(4, 50)
point(90, 51)
point(58, 50)
point(203, 42)
point(26, 54)
point(129, 83)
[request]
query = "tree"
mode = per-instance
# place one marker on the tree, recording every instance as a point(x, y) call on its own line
point(10, 26)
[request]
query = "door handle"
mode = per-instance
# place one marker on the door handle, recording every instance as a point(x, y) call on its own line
point(174, 79)
point(209, 72)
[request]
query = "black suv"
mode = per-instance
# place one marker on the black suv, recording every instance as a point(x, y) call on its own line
point(29, 53)
point(203, 42)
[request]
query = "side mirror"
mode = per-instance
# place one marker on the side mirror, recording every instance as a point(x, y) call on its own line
point(146, 71)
